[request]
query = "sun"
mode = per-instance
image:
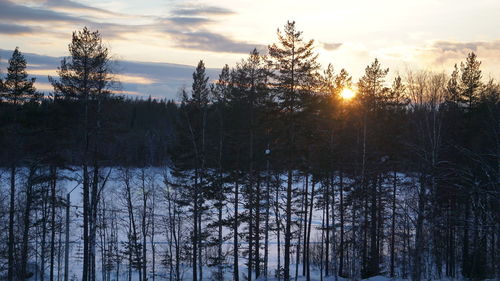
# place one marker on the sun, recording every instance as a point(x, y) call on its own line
point(347, 94)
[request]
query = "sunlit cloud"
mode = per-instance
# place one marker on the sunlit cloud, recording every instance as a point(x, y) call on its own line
point(442, 51)
point(196, 10)
point(330, 46)
point(131, 93)
point(124, 78)
point(44, 87)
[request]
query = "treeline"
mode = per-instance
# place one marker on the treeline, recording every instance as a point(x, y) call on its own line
point(403, 177)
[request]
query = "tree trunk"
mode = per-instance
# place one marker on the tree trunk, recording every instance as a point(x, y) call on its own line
point(144, 226)
point(327, 228)
point(26, 223)
point(45, 197)
point(10, 274)
point(306, 242)
point(334, 235)
point(236, 274)
point(419, 239)
point(250, 233)
point(341, 206)
point(288, 226)
point(86, 208)
point(266, 231)
point(257, 232)
point(53, 181)
point(308, 258)
point(393, 225)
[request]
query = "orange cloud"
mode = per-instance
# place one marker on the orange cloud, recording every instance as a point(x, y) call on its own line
point(134, 79)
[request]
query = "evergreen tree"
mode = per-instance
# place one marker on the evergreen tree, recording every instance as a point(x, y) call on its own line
point(85, 77)
point(470, 80)
point(17, 87)
point(295, 73)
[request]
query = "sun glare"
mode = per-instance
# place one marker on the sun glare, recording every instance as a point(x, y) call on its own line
point(347, 94)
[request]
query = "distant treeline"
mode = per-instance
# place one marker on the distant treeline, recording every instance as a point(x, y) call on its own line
point(134, 132)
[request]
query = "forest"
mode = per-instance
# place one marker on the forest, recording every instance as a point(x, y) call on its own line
point(278, 169)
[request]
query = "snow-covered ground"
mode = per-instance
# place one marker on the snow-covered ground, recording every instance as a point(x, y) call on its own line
point(114, 198)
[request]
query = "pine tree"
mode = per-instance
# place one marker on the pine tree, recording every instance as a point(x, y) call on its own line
point(470, 81)
point(371, 86)
point(85, 77)
point(190, 158)
point(17, 87)
point(295, 73)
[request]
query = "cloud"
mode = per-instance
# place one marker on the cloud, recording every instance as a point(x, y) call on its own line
point(190, 22)
point(191, 30)
point(441, 51)
point(14, 29)
point(72, 7)
point(330, 46)
point(75, 6)
point(188, 26)
point(209, 41)
point(21, 13)
point(201, 11)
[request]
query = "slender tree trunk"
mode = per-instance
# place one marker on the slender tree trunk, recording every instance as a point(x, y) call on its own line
point(144, 226)
point(59, 253)
point(236, 274)
point(406, 246)
point(53, 181)
point(153, 245)
point(200, 245)
point(250, 233)
point(393, 225)
point(10, 274)
point(171, 235)
point(94, 200)
point(195, 231)
point(86, 208)
point(465, 242)
point(134, 246)
point(419, 239)
point(257, 231)
point(366, 212)
point(327, 228)
point(341, 206)
point(130, 258)
point(308, 257)
point(288, 226)
point(266, 231)
point(278, 226)
point(299, 241)
point(44, 233)
point(104, 243)
point(334, 235)
point(305, 247)
point(373, 257)
point(26, 223)
point(321, 261)
point(178, 248)
point(219, 238)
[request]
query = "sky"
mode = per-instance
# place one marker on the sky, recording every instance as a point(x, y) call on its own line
point(157, 43)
